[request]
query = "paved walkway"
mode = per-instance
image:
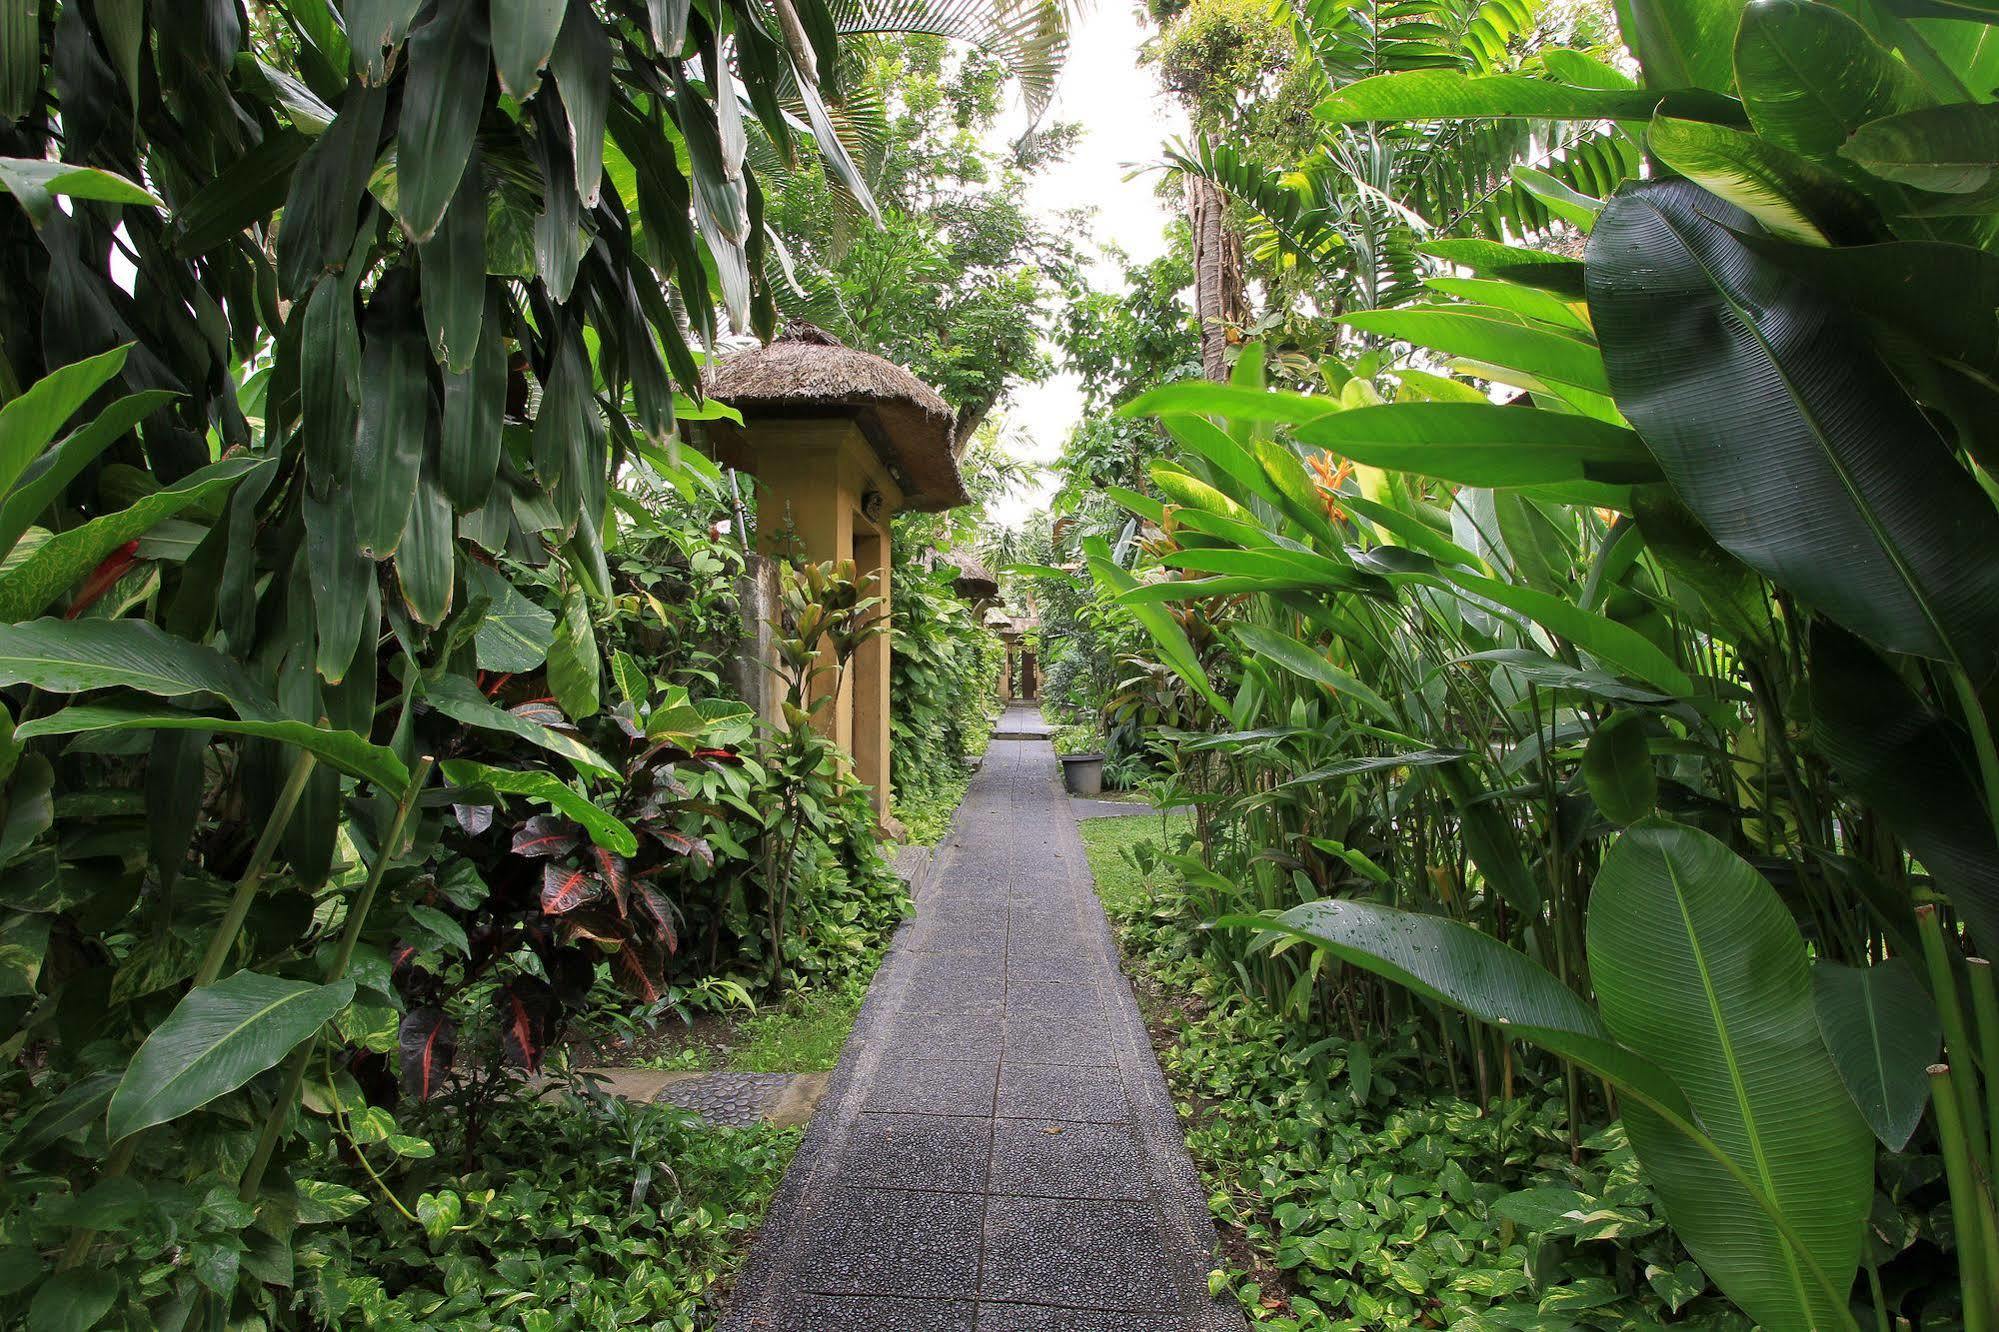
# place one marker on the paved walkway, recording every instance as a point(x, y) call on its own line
point(997, 1152)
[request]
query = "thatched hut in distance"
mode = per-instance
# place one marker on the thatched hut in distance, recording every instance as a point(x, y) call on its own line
point(974, 582)
point(839, 442)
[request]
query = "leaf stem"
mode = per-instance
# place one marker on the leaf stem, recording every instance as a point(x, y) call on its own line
point(281, 1108)
point(224, 939)
point(1966, 1222)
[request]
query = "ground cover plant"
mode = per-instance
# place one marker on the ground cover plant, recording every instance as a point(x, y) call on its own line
point(1352, 1192)
point(1577, 616)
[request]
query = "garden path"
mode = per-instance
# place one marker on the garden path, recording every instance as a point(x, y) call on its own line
point(997, 1151)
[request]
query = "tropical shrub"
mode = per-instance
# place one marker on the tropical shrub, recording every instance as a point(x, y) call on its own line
point(575, 1213)
point(943, 688)
point(1599, 648)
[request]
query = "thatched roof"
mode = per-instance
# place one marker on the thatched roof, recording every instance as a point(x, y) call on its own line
point(808, 372)
point(974, 581)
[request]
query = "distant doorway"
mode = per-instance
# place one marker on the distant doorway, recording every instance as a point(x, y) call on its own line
point(1030, 684)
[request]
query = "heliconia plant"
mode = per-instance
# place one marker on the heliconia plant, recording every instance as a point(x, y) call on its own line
point(1598, 641)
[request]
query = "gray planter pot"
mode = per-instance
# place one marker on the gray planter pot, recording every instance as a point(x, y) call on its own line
point(1083, 774)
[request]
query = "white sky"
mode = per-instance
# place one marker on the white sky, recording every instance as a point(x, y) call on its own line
point(1126, 123)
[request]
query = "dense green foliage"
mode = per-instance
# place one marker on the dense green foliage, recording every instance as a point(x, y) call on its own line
point(1598, 650)
point(576, 1214)
point(943, 689)
point(1367, 1196)
point(364, 721)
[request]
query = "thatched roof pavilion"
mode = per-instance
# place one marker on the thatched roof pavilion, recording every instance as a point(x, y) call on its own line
point(809, 373)
point(974, 582)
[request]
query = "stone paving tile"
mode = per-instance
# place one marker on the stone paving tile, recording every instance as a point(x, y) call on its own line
point(1068, 1092)
point(947, 996)
point(930, 1152)
point(1063, 999)
point(932, 1087)
point(966, 1037)
point(1094, 1255)
point(1050, 1040)
point(867, 1313)
point(888, 1242)
point(984, 942)
point(1068, 967)
point(1046, 1318)
point(1055, 1160)
point(956, 966)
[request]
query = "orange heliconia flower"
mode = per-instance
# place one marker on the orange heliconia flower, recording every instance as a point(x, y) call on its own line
point(1330, 476)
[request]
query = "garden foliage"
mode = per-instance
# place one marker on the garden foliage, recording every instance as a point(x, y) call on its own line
point(1598, 644)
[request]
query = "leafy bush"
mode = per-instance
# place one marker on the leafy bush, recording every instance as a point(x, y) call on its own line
point(1369, 1196)
point(943, 692)
point(572, 1213)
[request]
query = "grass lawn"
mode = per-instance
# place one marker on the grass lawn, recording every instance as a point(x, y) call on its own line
point(1120, 885)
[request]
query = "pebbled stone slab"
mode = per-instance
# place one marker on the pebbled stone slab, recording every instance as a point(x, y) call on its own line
point(871, 1313)
point(1054, 1040)
point(1048, 1318)
point(1068, 1092)
point(1056, 1160)
point(888, 1242)
point(933, 1087)
point(1057, 999)
point(1093, 1255)
point(938, 1155)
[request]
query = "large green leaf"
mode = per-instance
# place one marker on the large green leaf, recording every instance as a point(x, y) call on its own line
point(1493, 336)
point(1793, 196)
point(1458, 965)
point(459, 699)
point(1912, 767)
point(1438, 94)
point(1946, 149)
point(1483, 444)
point(575, 667)
point(1166, 632)
point(1810, 76)
point(1681, 43)
point(45, 478)
point(216, 1039)
point(395, 420)
point(524, 34)
point(55, 565)
point(1234, 402)
point(469, 437)
point(604, 828)
point(31, 420)
point(1939, 295)
point(1613, 643)
point(1307, 663)
point(343, 750)
point(1617, 767)
point(453, 274)
point(515, 633)
point(1700, 969)
point(1883, 1032)
point(449, 63)
point(1539, 269)
point(1776, 421)
point(71, 656)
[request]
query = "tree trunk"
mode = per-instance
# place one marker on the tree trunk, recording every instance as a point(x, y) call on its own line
point(1217, 275)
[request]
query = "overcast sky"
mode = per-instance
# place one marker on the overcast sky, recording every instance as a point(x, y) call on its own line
point(1126, 123)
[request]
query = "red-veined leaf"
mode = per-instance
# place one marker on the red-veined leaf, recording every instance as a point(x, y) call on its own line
point(545, 836)
point(566, 887)
point(428, 1041)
